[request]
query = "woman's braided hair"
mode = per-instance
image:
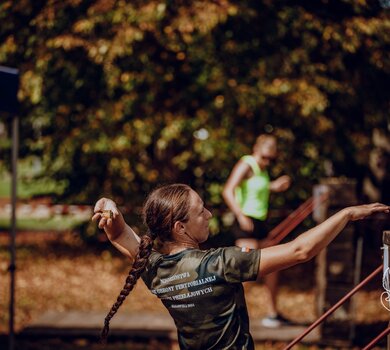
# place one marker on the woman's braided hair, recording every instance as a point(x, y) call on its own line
point(163, 207)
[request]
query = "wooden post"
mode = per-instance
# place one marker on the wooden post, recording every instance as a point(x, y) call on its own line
point(335, 273)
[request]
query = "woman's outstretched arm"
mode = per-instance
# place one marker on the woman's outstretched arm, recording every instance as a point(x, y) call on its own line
point(118, 232)
point(311, 242)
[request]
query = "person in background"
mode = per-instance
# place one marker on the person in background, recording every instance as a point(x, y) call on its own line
point(247, 193)
point(202, 289)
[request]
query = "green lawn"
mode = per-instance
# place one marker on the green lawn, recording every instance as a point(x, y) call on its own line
point(62, 223)
point(28, 183)
point(27, 189)
point(5, 186)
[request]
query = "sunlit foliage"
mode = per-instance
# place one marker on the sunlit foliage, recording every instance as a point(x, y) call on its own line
point(118, 96)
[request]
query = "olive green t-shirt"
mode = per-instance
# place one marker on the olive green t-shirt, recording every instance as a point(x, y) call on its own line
point(202, 291)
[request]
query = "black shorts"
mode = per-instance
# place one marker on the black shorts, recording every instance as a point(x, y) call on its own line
point(260, 230)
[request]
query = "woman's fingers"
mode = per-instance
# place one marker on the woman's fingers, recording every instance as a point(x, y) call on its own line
point(102, 223)
point(362, 211)
point(381, 207)
point(96, 216)
point(102, 215)
point(378, 207)
point(104, 220)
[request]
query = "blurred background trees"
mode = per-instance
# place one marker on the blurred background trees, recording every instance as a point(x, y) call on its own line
point(119, 96)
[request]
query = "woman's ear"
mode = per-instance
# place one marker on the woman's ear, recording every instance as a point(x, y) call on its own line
point(178, 228)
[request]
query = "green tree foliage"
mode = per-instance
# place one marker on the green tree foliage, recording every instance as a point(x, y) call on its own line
point(118, 96)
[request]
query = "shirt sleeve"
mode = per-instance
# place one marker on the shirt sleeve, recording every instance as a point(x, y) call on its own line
point(236, 264)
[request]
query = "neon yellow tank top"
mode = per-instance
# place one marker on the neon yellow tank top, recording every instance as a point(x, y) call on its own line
point(252, 194)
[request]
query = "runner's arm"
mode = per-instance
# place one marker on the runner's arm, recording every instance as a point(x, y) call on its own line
point(237, 175)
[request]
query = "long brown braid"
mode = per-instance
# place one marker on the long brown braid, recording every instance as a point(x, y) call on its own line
point(163, 207)
point(145, 248)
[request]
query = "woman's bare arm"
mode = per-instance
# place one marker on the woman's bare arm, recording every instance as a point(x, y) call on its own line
point(118, 232)
point(237, 175)
point(311, 242)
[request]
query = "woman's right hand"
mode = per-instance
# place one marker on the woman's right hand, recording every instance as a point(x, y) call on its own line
point(112, 226)
point(246, 223)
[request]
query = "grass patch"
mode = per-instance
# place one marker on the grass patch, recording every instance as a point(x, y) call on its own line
point(29, 183)
point(53, 224)
point(5, 186)
point(29, 188)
